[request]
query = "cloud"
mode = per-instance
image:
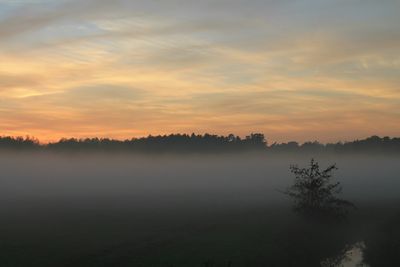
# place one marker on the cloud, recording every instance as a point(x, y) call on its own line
point(11, 81)
point(303, 68)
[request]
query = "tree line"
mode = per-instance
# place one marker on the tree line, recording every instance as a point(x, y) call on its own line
point(200, 143)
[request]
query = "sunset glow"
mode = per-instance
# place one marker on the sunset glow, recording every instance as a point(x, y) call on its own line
point(294, 70)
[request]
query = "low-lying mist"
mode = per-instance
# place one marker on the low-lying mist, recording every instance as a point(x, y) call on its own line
point(116, 209)
point(226, 179)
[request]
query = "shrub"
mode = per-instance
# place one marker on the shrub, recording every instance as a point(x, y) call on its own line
point(314, 194)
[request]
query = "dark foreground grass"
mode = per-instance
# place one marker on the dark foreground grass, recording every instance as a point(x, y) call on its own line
point(119, 233)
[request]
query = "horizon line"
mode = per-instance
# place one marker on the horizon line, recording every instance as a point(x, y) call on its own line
point(243, 137)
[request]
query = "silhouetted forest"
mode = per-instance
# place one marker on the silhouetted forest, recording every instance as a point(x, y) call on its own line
point(202, 143)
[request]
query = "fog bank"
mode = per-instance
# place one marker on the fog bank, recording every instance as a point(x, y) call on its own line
point(226, 180)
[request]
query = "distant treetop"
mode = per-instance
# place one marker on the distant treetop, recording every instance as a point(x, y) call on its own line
point(202, 143)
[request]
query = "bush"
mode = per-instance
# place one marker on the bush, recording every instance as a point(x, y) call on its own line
point(314, 194)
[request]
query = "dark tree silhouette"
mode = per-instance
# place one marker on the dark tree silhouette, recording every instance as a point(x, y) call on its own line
point(314, 194)
point(19, 142)
point(204, 143)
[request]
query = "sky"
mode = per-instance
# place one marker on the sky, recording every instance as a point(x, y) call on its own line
point(301, 70)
